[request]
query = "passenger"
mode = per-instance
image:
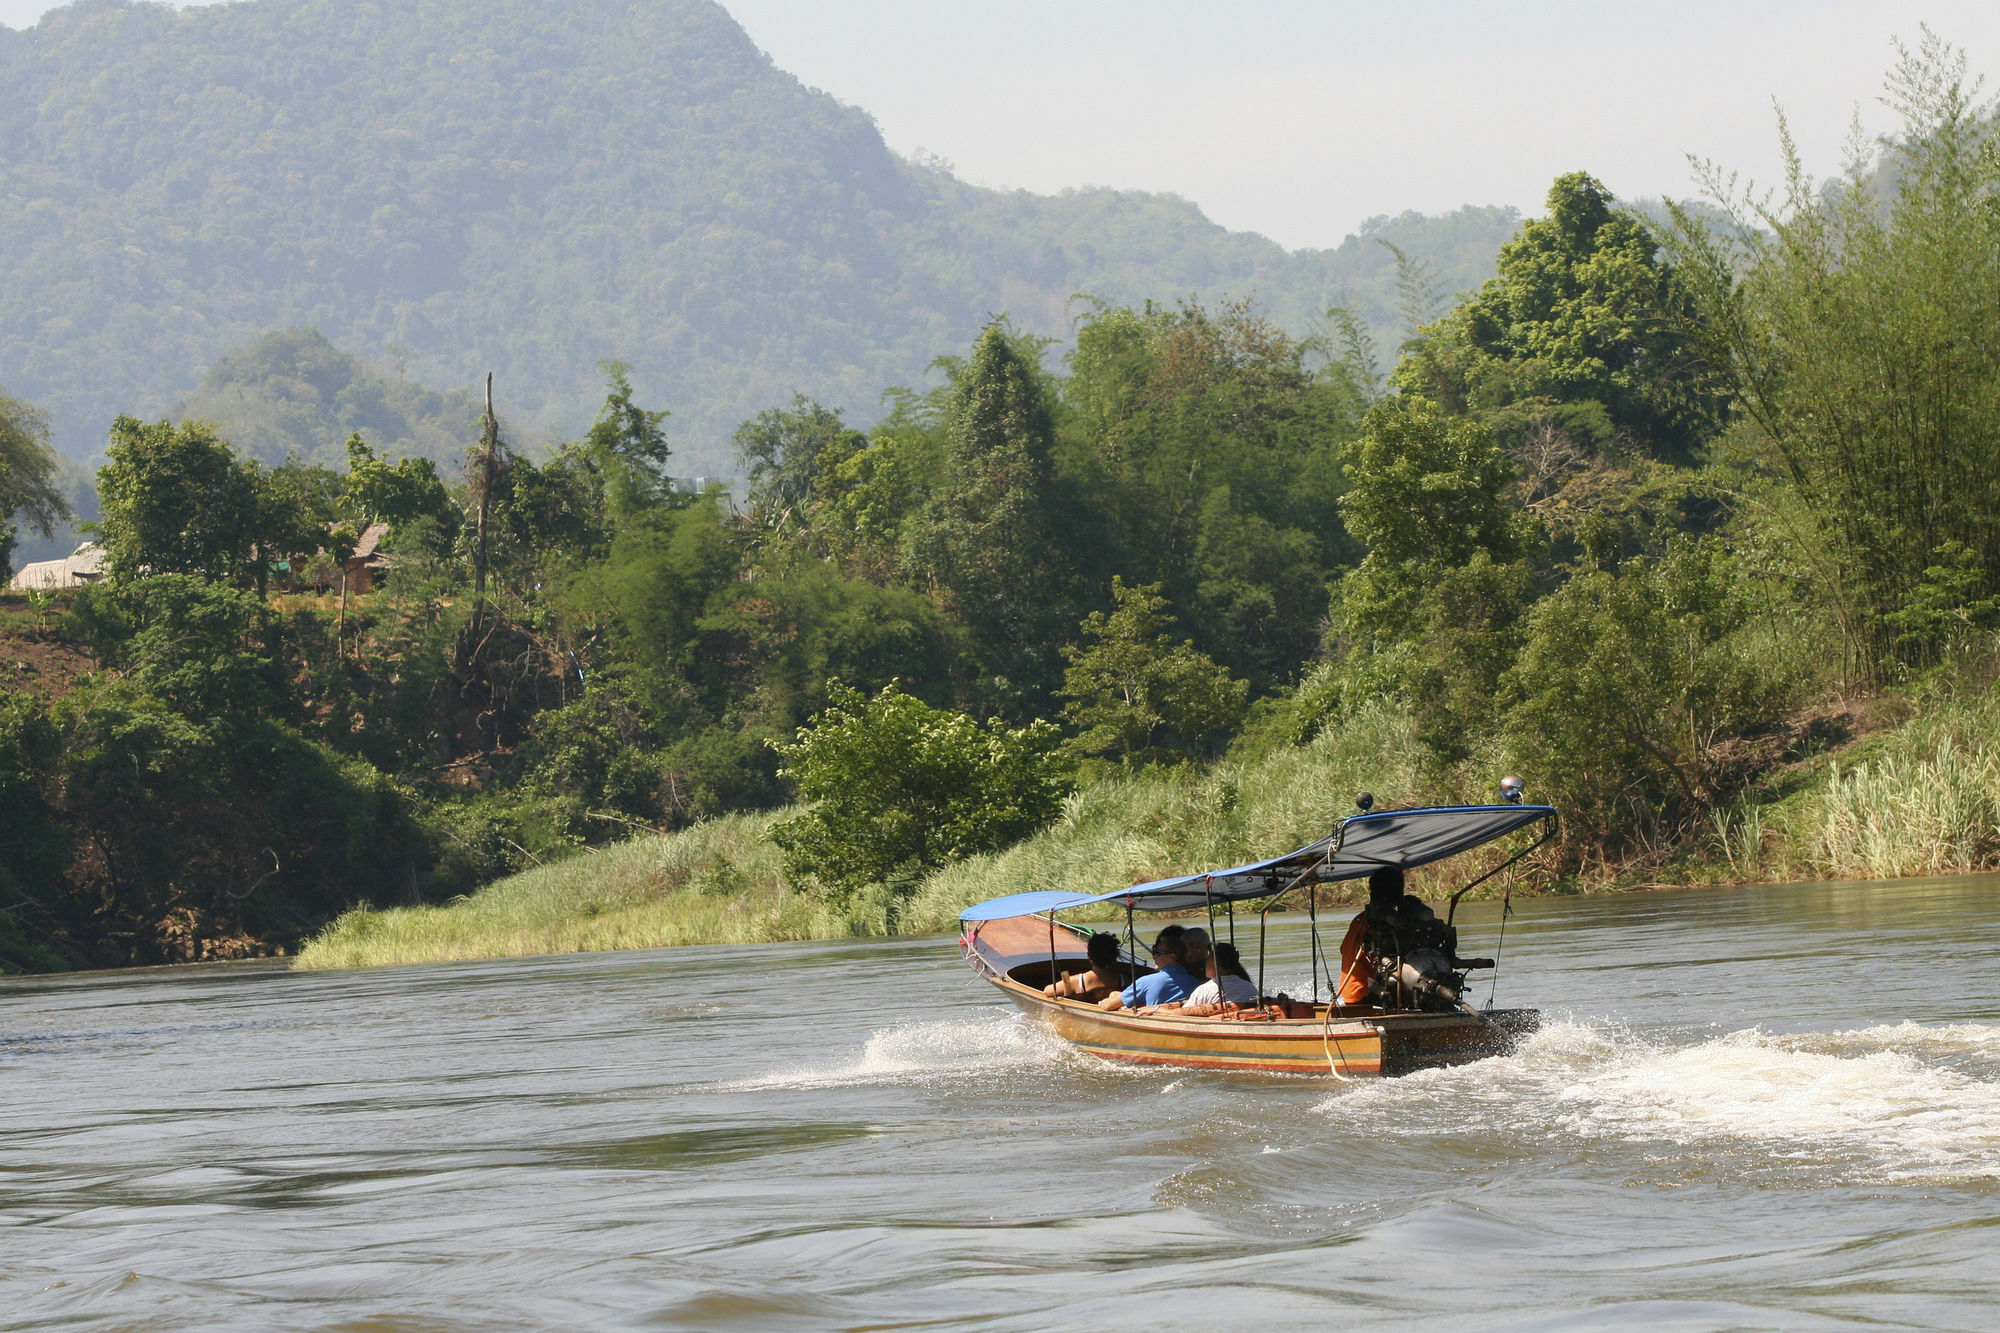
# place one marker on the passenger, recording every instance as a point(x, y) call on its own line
point(1102, 978)
point(1194, 951)
point(1228, 988)
point(1170, 983)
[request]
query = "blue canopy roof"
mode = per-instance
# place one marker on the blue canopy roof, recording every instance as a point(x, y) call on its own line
point(1361, 845)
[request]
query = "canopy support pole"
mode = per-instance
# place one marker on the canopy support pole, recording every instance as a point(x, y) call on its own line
point(1548, 833)
point(1264, 917)
point(1312, 914)
point(1052, 948)
point(1208, 892)
point(1131, 946)
point(1263, 920)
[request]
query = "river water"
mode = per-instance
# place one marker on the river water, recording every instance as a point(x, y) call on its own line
point(1768, 1107)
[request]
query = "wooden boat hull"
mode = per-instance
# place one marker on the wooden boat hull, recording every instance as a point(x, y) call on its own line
point(1379, 1045)
point(1365, 1044)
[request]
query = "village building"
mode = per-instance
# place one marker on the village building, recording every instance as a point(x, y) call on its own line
point(367, 562)
point(81, 567)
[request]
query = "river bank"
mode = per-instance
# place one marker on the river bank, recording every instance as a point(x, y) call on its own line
point(1920, 797)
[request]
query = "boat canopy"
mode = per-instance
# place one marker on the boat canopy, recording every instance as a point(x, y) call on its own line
point(1361, 845)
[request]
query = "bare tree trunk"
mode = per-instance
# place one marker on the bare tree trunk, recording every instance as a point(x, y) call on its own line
point(340, 626)
point(488, 443)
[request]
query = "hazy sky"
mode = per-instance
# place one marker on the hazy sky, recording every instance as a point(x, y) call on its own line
point(1301, 119)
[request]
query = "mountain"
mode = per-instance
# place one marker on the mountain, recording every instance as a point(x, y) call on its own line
point(532, 188)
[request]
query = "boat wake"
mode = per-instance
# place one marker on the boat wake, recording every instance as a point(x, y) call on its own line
point(918, 1053)
point(1892, 1103)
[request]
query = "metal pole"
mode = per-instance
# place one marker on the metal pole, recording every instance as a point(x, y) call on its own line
point(1131, 947)
point(1263, 919)
point(1052, 948)
point(1312, 914)
point(1208, 892)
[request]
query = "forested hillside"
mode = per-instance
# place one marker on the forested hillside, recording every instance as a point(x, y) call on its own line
point(454, 186)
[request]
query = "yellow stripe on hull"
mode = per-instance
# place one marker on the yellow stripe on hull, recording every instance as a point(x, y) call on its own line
point(1370, 1047)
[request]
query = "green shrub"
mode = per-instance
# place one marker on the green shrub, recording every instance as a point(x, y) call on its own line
point(898, 788)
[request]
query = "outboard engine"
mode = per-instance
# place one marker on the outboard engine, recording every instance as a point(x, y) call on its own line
point(1421, 979)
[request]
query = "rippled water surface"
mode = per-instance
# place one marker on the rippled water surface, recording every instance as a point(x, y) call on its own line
point(1773, 1107)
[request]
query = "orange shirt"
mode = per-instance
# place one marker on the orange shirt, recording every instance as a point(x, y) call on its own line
point(1356, 972)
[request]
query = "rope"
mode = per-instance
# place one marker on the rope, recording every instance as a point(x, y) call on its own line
point(1326, 1024)
point(1506, 910)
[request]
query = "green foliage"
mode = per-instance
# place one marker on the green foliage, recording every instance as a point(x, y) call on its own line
point(204, 650)
point(406, 492)
point(789, 451)
point(1582, 312)
point(1426, 488)
point(175, 500)
point(1209, 454)
point(1432, 612)
point(1136, 695)
point(27, 475)
point(995, 536)
point(1631, 689)
point(898, 788)
point(34, 845)
point(593, 772)
point(293, 394)
point(1946, 609)
point(1859, 327)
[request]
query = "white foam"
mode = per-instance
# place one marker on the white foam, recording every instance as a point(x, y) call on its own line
point(923, 1052)
point(1890, 1103)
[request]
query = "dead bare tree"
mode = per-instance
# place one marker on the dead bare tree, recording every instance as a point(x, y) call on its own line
point(489, 444)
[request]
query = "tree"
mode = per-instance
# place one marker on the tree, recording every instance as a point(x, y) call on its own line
point(1135, 694)
point(400, 493)
point(994, 535)
point(1431, 613)
point(1859, 326)
point(205, 650)
point(175, 500)
point(1630, 687)
point(1583, 311)
point(33, 842)
point(1427, 488)
point(627, 447)
point(787, 450)
point(1209, 455)
point(896, 789)
point(27, 476)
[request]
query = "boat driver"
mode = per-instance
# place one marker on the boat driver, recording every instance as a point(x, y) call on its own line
point(1393, 923)
point(1170, 983)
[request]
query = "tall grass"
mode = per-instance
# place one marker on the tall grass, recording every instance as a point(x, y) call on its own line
point(721, 882)
point(1127, 827)
point(715, 883)
point(1928, 805)
point(1926, 802)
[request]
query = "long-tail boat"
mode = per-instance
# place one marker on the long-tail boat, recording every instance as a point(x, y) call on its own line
point(1417, 1017)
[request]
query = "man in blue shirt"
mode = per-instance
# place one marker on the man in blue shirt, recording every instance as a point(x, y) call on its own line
point(1170, 983)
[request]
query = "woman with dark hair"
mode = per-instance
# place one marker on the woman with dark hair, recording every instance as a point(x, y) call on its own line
point(1102, 978)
